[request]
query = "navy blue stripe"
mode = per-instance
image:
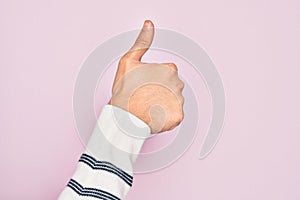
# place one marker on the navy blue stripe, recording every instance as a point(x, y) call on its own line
point(109, 167)
point(105, 168)
point(107, 163)
point(91, 192)
point(97, 164)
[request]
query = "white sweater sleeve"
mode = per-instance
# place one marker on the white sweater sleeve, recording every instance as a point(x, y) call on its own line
point(104, 170)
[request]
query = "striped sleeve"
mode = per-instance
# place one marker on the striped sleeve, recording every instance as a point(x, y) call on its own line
point(105, 169)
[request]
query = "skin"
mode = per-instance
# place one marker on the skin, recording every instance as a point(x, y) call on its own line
point(150, 91)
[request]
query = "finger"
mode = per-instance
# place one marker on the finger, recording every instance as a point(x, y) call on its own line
point(180, 85)
point(143, 41)
point(171, 66)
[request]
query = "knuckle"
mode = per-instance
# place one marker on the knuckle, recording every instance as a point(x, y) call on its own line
point(172, 66)
point(178, 118)
point(181, 99)
point(181, 117)
point(181, 84)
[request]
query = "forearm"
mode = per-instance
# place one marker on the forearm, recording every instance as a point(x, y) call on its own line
point(104, 170)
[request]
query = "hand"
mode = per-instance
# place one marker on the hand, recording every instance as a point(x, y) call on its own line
point(150, 91)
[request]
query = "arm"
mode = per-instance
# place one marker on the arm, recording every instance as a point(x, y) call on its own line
point(146, 98)
point(104, 171)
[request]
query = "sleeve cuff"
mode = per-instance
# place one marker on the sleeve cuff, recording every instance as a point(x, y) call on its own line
point(118, 137)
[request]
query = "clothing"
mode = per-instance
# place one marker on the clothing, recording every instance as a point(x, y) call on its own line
point(105, 169)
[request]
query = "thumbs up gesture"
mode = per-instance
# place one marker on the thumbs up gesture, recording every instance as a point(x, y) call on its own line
point(150, 91)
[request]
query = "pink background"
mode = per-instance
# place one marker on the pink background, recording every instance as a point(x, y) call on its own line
point(254, 44)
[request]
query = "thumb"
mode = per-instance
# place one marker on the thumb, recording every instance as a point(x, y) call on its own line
point(143, 42)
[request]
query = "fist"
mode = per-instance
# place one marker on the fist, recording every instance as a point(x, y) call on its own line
point(150, 91)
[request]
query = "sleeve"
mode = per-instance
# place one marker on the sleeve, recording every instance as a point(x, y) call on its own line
point(105, 169)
